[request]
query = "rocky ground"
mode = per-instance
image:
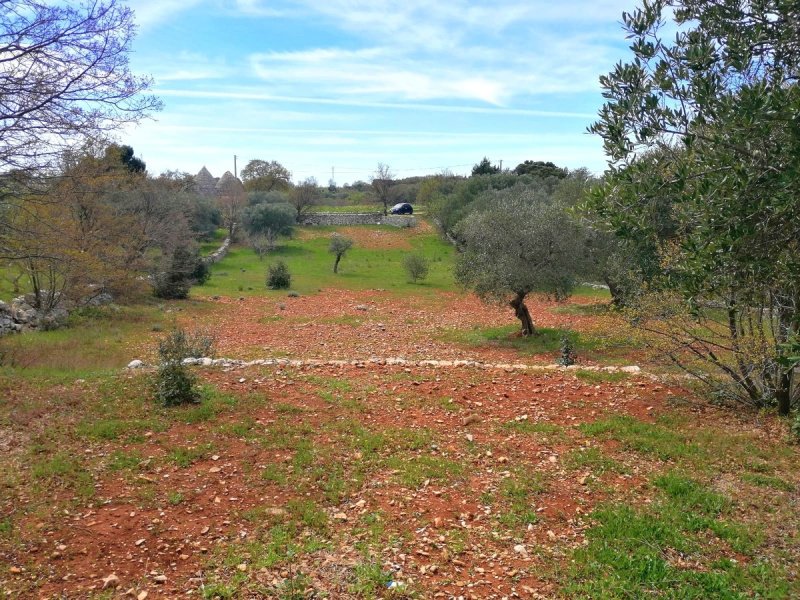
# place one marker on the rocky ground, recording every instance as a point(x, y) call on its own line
point(344, 474)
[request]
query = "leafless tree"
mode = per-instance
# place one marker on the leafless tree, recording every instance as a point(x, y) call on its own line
point(64, 78)
point(303, 196)
point(382, 182)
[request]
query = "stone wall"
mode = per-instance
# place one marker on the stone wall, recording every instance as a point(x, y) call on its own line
point(359, 219)
point(219, 253)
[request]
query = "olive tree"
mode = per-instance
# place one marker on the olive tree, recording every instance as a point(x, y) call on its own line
point(265, 176)
point(339, 246)
point(519, 243)
point(716, 104)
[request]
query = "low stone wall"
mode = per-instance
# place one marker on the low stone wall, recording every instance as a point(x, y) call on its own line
point(219, 253)
point(359, 219)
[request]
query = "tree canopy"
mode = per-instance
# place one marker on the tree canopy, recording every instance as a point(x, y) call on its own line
point(517, 244)
point(265, 176)
point(485, 167)
point(702, 135)
point(539, 168)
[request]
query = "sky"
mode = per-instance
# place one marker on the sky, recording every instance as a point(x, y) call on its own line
point(334, 87)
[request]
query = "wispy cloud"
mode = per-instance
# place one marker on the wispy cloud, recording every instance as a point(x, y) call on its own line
point(418, 50)
point(257, 96)
point(150, 13)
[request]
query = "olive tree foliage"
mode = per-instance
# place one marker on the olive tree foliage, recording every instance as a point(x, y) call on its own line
point(265, 222)
point(702, 125)
point(65, 78)
point(518, 243)
point(339, 246)
point(265, 176)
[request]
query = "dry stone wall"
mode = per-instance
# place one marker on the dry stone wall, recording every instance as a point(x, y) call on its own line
point(359, 219)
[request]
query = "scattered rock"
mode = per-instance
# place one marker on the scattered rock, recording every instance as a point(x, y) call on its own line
point(470, 419)
point(520, 549)
point(111, 581)
point(135, 364)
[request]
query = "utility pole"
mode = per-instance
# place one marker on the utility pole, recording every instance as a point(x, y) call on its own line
point(501, 165)
point(235, 173)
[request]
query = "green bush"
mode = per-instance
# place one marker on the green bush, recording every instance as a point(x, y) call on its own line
point(172, 281)
point(278, 276)
point(174, 383)
point(416, 266)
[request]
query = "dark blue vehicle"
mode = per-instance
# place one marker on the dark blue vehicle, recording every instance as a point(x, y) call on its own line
point(404, 208)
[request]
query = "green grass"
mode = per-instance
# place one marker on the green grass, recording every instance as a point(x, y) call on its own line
point(185, 457)
point(768, 481)
point(214, 243)
point(174, 498)
point(6, 527)
point(601, 376)
point(114, 429)
point(241, 273)
point(124, 461)
point(672, 549)
point(62, 470)
point(412, 471)
point(369, 579)
point(349, 208)
point(594, 460)
point(94, 343)
point(639, 436)
point(518, 491)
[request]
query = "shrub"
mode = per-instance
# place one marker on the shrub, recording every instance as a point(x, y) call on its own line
point(262, 217)
point(568, 354)
point(416, 266)
point(263, 243)
point(185, 268)
point(174, 384)
point(278, 276)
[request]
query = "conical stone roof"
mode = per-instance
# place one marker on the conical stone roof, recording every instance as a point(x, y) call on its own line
point(205, 183)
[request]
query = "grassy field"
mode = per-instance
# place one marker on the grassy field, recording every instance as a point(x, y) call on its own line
point(339, 481)
point(311, 265)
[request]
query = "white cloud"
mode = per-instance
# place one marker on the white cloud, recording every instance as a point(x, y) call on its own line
point(419, 51)
point(150, 13)
point(253, 95)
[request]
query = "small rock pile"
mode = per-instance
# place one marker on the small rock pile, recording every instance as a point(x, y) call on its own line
point(22, 314)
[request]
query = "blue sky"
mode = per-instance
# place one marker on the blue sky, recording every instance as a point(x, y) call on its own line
point(418, 85)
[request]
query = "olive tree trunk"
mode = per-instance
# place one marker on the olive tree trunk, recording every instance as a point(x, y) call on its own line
point(521, 311)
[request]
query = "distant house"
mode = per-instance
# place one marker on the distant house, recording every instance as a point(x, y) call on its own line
point(205, 184)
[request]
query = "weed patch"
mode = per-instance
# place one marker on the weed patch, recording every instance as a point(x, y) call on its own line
point(642, 437)
point(664, 550)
